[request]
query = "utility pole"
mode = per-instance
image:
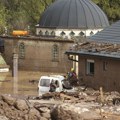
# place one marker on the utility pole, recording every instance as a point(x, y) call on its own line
point(17, 34)
point(15, 73)
point(15, 66)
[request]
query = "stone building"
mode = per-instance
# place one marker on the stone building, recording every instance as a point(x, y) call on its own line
point(61, 21)
point(37, 54)
point(99, 59)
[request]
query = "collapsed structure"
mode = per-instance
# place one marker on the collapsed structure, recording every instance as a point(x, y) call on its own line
point(99, 57)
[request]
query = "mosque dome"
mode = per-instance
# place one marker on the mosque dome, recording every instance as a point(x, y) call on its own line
point(73, 14)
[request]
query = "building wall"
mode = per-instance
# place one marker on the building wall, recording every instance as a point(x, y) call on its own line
point(109, 79)
point(38, 54)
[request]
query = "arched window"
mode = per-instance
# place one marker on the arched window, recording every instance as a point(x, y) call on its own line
point(91, 33)
point(72, 33)
point(55, 53)
point(40, 33)
point(62, 33)
point(47, 33)
point(22, 51)
point(81, 34)
point(53, 33)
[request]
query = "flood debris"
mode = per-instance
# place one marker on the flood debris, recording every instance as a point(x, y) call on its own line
point(79, 105)
point(13, 108)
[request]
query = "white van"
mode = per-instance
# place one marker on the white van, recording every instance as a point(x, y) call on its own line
point(44, 84)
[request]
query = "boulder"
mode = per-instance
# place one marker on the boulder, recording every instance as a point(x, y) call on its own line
point(46, 115)
point(3, 118)
point(34, 114)
point(8, 99)
point(21, 105)
point(42, 118)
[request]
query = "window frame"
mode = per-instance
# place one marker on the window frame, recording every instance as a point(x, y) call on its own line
point(47, 33)
point(105, 65)
point(41, 33)
point(55, 53)
point(89, 66)
point(53, 33)
point(22, 50)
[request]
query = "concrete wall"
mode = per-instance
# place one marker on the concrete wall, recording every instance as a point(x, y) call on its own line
point(109, 79)
point(38, 54)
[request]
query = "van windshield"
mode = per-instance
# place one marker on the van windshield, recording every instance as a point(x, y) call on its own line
point(45, 82)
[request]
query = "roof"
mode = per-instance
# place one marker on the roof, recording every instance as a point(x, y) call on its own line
point(96, 49)
point(110, 34)
point(76, 14)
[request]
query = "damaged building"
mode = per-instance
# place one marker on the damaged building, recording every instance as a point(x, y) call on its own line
point(99, 59)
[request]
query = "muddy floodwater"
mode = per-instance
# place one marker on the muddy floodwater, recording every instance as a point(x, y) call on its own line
point(27, 82)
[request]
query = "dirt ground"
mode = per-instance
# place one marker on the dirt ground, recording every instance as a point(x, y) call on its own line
point(25, 86)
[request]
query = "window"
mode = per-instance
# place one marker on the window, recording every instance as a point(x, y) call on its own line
point(55, 53)
point(91, 33)
point(45, 82)
point(22, 51)
point(47, 33)
point(105, 65)
point(40, 33)
point(62, 33)
point(52, 33)
point(72, 33)
point(81, 34)
point(90, 67)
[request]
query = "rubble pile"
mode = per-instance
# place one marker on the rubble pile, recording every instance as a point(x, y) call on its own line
point(90, 95)
point(85, 111)
point(18, 109)
point(87, 105)
point(79, 105)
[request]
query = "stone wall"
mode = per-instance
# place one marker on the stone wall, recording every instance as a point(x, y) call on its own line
point(108, 79)
point(38, 54)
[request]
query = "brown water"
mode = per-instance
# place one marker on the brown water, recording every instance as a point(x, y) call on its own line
point(25, 87)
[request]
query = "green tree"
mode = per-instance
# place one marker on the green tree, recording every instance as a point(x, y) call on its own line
point(111, 8)
point(3, 17)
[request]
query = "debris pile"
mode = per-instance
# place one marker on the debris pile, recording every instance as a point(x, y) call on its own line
point(89, 95)
point(87, 105)
point(84, 111)
point(18, 109)
point(102, 49)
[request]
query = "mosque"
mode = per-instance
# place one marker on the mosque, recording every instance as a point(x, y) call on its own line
point(59, 24)
point(69, 18)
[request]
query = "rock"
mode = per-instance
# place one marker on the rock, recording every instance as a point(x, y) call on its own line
point(34, 114)
point(1, 112)
point(42, 118)
point(25, 117)
point(46, 115)
point(3, 118)
point(91, 115)
point(44, 110)
point(21, 105)
point(8, 99)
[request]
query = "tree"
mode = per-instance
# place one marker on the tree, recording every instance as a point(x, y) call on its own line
point(19, 14)
point(3, 16)
point(111, 8)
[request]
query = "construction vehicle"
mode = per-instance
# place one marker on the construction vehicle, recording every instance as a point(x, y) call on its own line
point(19, 33)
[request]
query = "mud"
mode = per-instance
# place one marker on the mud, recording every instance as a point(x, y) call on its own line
point(27, 82)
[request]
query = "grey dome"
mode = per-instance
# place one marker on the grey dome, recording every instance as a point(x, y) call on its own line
point(76, 14)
